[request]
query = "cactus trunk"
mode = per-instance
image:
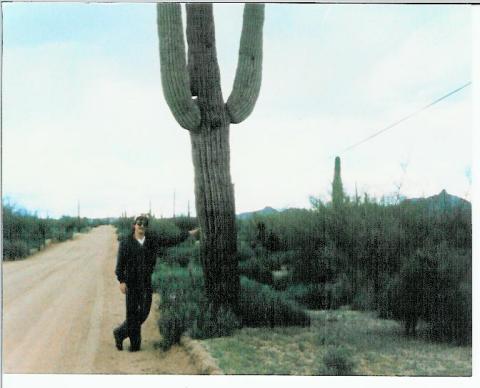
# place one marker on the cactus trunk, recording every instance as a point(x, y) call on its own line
point(216, 213)
point(214, 197)
point(208, 119)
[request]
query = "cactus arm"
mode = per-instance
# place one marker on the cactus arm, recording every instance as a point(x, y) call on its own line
point(248, 77)
point(174, 72)
point(192, 66)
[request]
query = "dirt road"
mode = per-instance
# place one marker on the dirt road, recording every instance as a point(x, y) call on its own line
point(59, 309)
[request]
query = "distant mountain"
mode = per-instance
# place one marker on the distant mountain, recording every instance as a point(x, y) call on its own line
point(442, 201)
point(265, 211)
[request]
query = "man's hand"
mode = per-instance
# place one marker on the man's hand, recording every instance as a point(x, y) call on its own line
point(123, 288)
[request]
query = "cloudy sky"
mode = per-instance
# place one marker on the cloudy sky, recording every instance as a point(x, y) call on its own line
point(85, 120)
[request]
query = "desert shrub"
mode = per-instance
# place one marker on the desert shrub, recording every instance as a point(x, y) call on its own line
point(260, 305)
point(208, 324)
point(244, 251)
point(185, 224)
point(256, 269)
point(14, 249)
point(281, 280)
point(434, 285)
point(61, 235)
point(312, 266)
point(184, 307)
point(166, 233)
point(124, 226)
point(22, 231)
point(311, 296)
point(452, 318)
point(182, 254)
point(284, 258)
point(172, 324)
point(321, 295)
point(364, 299)
point(450, 315)
point(260, 268)
point(282, 231)
point(338, 361)
point(339, 292)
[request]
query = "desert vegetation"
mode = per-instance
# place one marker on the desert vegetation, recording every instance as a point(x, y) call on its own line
point(401, 267)
point(25, 232)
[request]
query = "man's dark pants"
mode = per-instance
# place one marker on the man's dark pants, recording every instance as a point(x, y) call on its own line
point(138, 307)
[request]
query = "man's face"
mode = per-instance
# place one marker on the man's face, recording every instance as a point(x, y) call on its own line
point(141, 225)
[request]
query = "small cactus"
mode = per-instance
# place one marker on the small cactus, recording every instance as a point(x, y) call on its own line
point(338, 196)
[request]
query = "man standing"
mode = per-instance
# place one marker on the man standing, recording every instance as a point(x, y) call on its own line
point(135, 263)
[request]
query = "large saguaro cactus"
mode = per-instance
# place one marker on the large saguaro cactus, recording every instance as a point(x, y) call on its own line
point(193, 93)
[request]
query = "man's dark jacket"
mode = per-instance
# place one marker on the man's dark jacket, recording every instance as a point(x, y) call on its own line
point(135, 262)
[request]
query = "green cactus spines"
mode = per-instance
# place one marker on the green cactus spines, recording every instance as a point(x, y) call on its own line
point(248, 76)
point(174, 72)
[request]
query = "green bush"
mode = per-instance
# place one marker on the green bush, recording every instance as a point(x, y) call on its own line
point(364, 299)
point(433, 285)
point(260, 305)
point(244, 251)
point(184, 307)
point(14, 249)
point(338, 362)
point(311, 296)
point(313, 266)
point(281, 280)
point(61, 235)
point(185, 224)
point(172, 324)
point(182, 254)
point(450, 315)
point(284, 258)
point(166, 233)
point(209, 324)
point(339, 293)
point(23, 230)
point(257, 269)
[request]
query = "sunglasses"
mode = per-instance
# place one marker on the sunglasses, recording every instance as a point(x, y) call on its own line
point(142, 223)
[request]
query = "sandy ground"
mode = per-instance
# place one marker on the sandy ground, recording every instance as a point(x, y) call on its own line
point(60, 307)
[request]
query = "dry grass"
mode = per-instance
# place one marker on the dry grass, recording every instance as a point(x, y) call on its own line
point(375, 346)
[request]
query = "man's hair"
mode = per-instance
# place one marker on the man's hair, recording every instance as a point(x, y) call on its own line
point(144, 217)
point(140, 217)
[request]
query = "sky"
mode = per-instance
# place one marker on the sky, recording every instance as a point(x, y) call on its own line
point(84, 120)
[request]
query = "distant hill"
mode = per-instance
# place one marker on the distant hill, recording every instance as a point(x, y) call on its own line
point(265, 211)
point(442, 201)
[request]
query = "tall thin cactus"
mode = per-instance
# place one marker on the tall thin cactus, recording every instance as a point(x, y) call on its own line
point(338, 196)
point(193, 93)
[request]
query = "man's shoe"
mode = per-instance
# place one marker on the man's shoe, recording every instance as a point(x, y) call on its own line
point(118, 341)
point(134, 345)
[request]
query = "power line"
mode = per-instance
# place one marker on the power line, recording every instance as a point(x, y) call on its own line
point(406, 117)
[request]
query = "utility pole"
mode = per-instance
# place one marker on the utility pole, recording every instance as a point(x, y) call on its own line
point(188, 210)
